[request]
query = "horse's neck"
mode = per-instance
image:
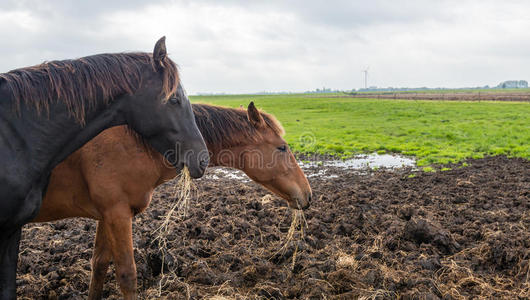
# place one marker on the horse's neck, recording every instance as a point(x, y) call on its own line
point(44, 140)
point(229, 158)
point(103, 117)
point(167, 172)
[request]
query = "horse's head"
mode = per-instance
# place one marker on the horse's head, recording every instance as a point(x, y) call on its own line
point(271, 163)
point(264, 156)
point(168, 125)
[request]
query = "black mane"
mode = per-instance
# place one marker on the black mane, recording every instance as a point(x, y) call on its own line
point(80, 82)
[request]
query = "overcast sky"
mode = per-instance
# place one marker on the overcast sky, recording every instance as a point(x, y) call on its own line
point(242, 46)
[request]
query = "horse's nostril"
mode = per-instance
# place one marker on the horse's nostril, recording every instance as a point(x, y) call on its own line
point(204, 163)
point(307, 202)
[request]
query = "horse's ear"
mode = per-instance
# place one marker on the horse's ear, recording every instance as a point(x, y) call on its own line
point(160, 52)
point(254, 116)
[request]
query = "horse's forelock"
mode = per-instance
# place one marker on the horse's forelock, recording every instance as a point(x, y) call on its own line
point(171, 78)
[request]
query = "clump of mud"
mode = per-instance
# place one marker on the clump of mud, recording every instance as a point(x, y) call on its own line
point(454, 234)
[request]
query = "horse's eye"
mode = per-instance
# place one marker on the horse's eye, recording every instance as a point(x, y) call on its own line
point(174, 100)
point(282, 148)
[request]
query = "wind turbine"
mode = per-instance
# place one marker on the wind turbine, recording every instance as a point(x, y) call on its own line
point(365, 71)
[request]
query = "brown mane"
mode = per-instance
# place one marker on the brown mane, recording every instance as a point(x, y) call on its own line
point(223, 127)
point(78, 83)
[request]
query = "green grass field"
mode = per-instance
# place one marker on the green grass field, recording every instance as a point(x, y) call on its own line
point(432, 131)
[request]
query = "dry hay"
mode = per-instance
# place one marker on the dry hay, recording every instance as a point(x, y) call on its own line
point(182, 192)
point(458, 280)
point(294, 234)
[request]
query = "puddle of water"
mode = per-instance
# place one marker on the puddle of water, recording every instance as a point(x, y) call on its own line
point(220, 172)
point(365, 161)
point(322, 174)
point(318, 168)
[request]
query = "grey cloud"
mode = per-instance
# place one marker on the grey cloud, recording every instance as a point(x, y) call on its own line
point(245, 46)
point(351, 14)
point(72, 9)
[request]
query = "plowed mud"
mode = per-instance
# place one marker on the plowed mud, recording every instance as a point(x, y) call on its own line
point(381, 234)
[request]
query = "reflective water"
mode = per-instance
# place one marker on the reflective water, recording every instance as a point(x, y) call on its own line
point(370, 161)
point(325, 168)
point(220, 172)
point(320, 174)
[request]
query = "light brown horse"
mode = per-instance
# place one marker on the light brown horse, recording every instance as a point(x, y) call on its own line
point(112, 178)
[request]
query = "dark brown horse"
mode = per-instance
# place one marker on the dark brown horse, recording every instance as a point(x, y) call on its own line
point(112, 178)
point(49, 111)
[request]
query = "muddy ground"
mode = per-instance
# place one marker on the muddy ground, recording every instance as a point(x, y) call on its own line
point(382, 234)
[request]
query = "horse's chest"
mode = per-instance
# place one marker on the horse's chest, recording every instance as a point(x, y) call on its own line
point(140, 204)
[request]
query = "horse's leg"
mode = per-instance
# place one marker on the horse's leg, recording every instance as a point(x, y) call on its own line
point(27, 209)
point(100, 263)
point(9, 243)
point(118, 226)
